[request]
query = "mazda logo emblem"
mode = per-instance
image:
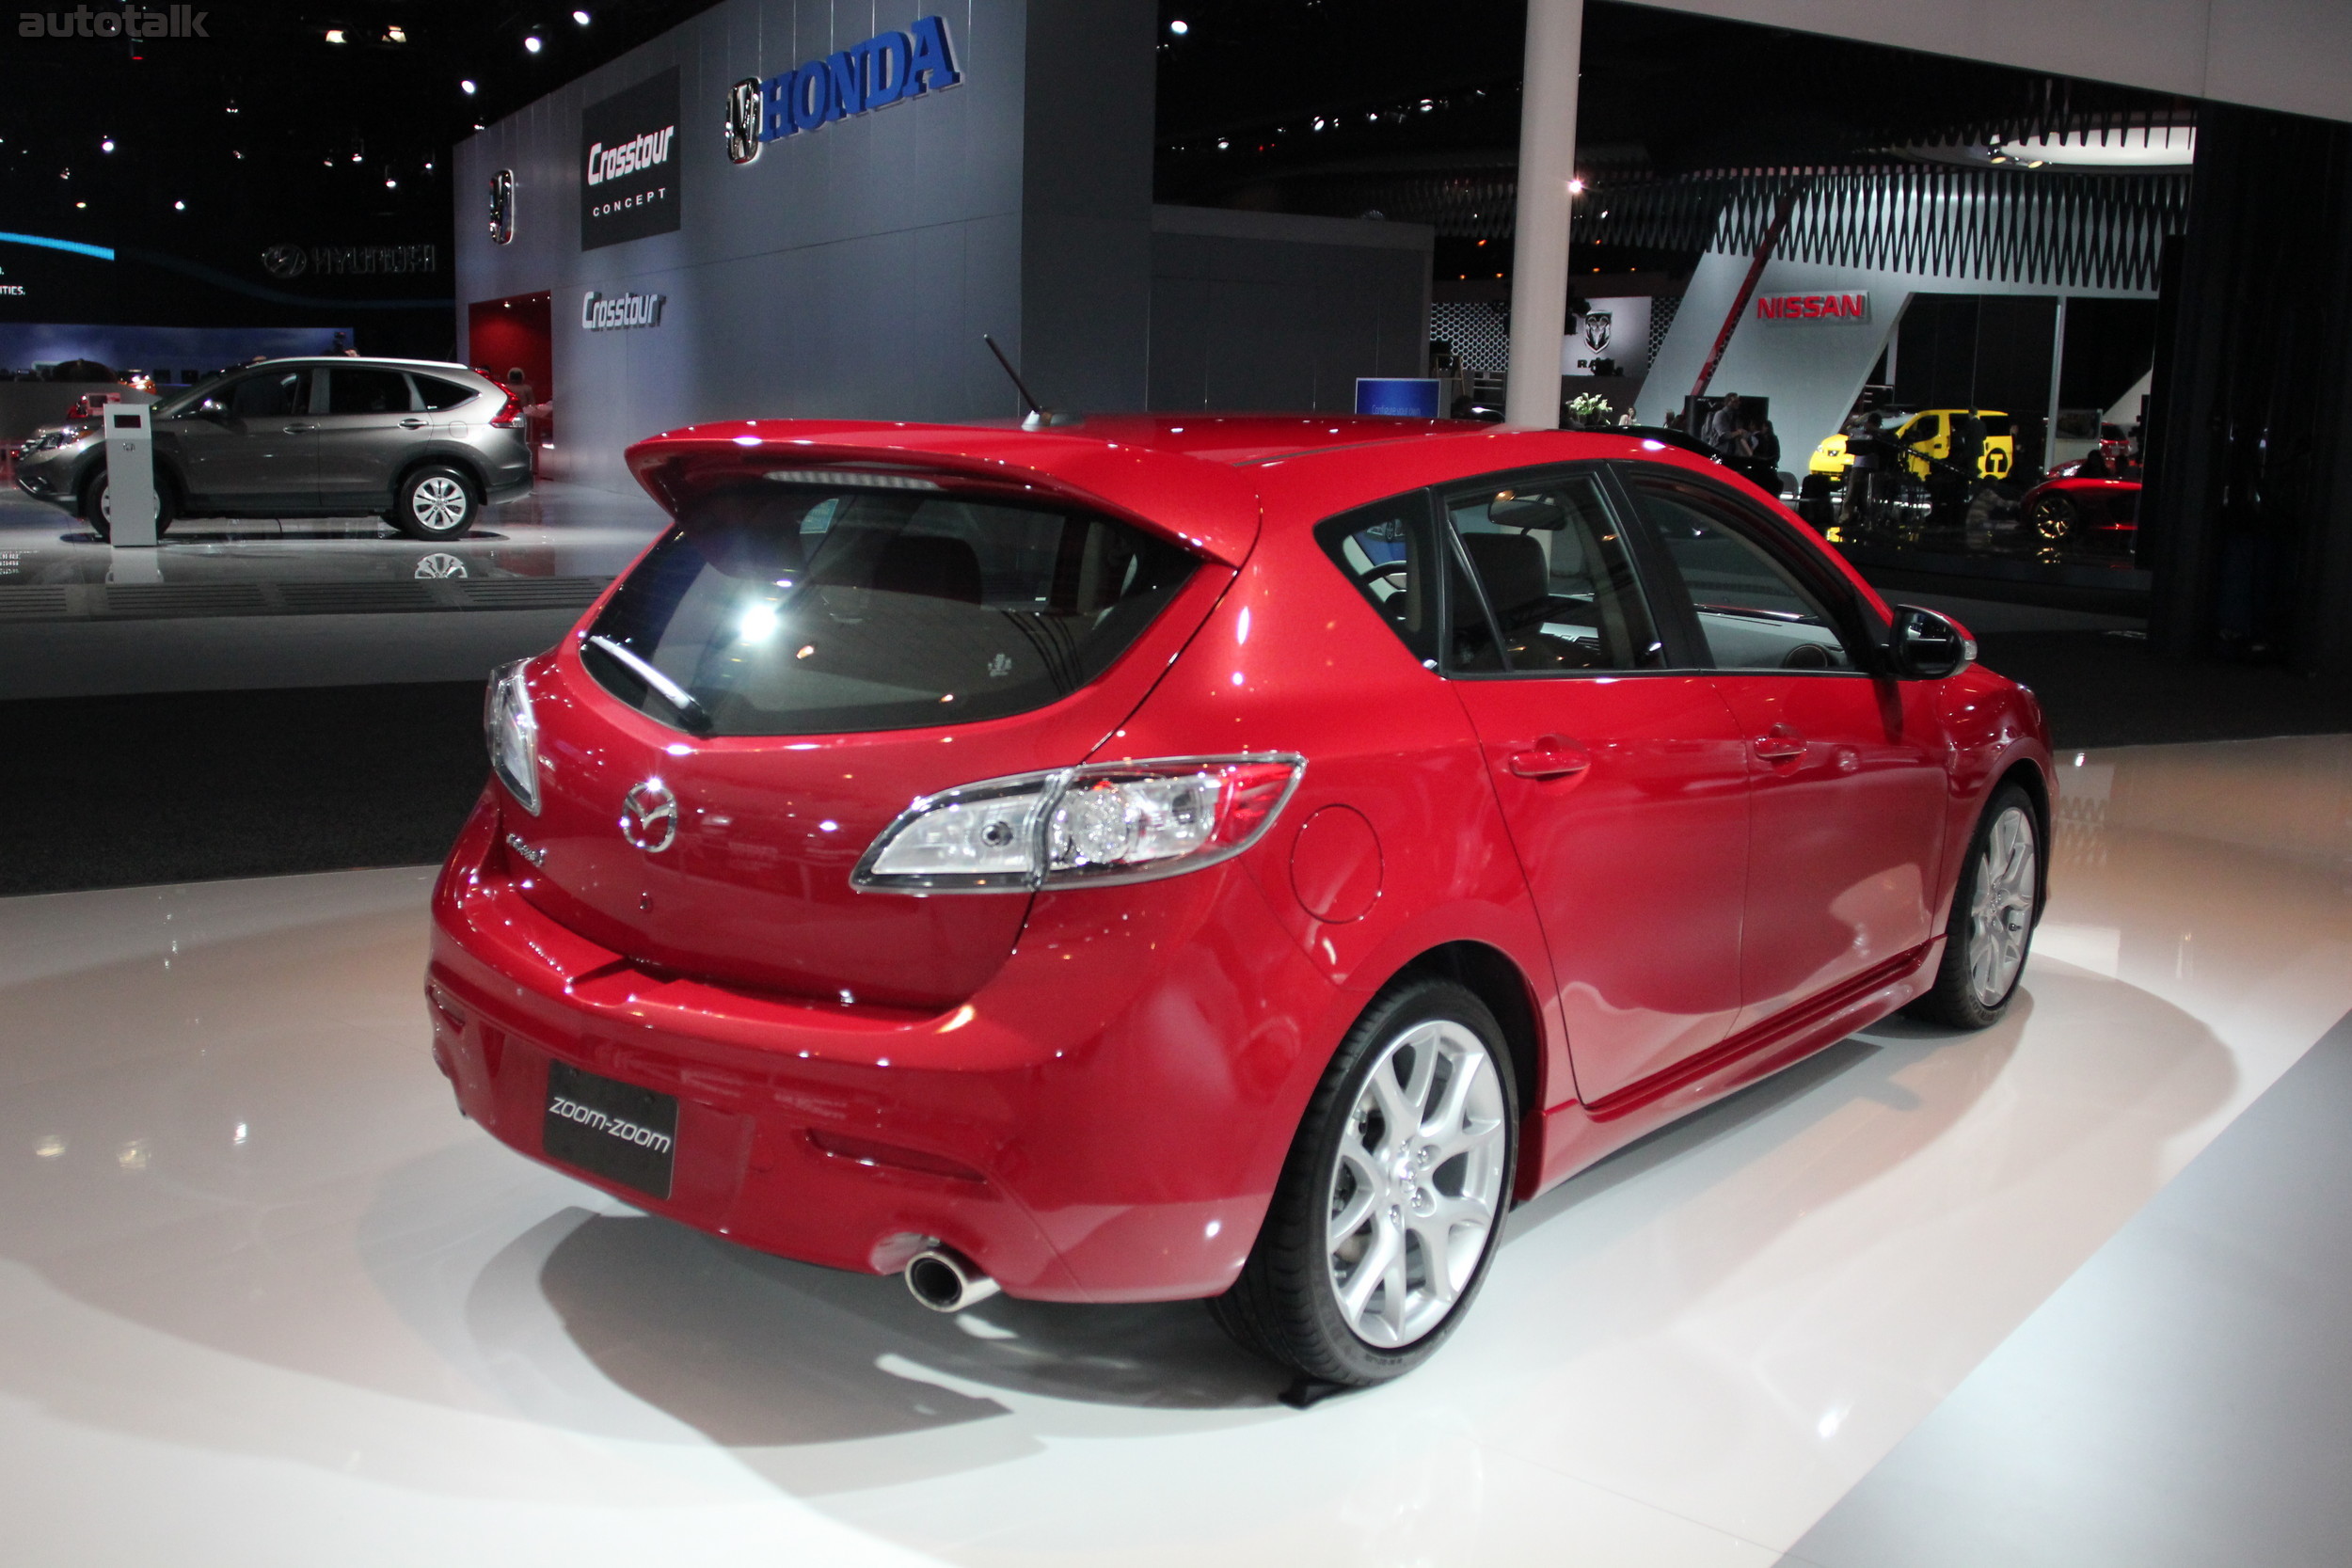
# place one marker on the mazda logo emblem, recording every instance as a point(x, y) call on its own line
point(649, 817)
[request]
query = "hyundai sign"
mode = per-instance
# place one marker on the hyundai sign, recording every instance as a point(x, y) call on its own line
point(631, 182)
point(889, 68)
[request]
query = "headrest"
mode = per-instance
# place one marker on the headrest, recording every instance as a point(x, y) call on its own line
point(931, 565)
point(1511, 567)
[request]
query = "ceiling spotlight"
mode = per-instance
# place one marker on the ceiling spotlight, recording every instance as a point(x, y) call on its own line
point(358, 158)
point(1576, 187)
point(533, 44)
point(580, 17)
point(428, 165)
point(390, 183)
point(79, 205)
point(469, 86)
point(179, 206)
point(1180, 27)
point(232, 108)
point(334, 35)
point(106, 146)
point(395, 35)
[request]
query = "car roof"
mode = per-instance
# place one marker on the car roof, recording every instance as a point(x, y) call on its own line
point(1202, 479)
point(362, 360)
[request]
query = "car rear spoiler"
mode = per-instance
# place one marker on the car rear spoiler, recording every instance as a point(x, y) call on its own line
point(1206, 507)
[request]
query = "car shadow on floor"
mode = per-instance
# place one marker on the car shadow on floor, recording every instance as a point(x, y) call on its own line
point(761, 1351)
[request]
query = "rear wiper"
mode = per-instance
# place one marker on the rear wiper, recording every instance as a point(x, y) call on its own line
point(695, 715)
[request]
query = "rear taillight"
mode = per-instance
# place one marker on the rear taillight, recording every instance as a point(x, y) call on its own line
point(508, 412)
point(512, 732)
point(1101, 825)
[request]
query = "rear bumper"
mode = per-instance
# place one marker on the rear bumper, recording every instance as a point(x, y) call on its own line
point(1108, 1129)
point(513, 490)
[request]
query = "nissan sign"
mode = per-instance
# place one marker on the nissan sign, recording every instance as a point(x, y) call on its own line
point(630, 174)
point(1843, 307)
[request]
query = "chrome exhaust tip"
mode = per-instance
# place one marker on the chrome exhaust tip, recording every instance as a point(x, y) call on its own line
point(947, 1282)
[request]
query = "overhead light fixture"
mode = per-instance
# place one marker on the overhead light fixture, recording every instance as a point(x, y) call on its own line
point(580, 17)
point(79, 205)
point(358, 158)
point(533, 44)
point(390, 183)
point(334, 35)
point(106, 146)
point(469, 86)
point(179, 206)
point(1180, 27)
point(395, 35)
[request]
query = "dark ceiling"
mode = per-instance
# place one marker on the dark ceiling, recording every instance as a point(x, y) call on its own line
point(267, 133)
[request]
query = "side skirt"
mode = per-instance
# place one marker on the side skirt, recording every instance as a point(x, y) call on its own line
point(1576, 1136)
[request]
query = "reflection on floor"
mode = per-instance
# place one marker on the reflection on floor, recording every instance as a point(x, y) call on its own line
point(558, 530)
point(228, 605)
point(257, 1276)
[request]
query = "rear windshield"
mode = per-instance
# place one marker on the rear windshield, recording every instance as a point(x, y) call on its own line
point(823, 608)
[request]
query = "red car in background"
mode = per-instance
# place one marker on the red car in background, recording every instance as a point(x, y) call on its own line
point(2092, 502)
point(1194, 857)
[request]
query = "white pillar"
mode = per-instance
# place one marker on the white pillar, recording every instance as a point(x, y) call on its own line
point(1539, 253)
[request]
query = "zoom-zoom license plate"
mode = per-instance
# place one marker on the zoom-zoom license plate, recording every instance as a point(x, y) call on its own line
point(616, 1130)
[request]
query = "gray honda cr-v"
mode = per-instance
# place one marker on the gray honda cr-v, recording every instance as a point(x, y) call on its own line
point(425, 445)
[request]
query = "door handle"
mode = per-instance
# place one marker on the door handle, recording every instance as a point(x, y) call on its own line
point(1552, 757)
point(300, 429)
point(1781, 743)
point(412, 424)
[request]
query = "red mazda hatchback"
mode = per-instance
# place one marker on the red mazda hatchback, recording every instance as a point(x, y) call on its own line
point(1229, 858)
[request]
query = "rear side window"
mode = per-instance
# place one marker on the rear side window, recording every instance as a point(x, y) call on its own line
point(434, 395)
point(1555, 589)
point(815, 609)
point(366, 391)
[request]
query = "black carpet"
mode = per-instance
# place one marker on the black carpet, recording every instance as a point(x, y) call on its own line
point(195, 785)
point(2101, 688)
point(192, 787)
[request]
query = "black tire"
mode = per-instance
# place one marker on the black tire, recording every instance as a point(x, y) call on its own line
point(436, 503)
point(2054, 519)
point(1287, 1306)
point(93, 507)
point(1964, 996)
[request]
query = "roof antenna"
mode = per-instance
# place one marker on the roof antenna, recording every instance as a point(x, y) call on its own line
point(1037, 416)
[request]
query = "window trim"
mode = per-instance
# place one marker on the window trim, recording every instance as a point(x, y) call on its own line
point(1621, 513)
point(1849, 612)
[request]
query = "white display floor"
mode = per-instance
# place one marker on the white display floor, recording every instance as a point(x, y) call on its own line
point(265, 1298)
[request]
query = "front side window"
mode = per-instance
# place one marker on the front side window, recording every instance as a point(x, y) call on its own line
point(1549, 585)
point(1753, 612)
point(269, 394)
point(811, 608)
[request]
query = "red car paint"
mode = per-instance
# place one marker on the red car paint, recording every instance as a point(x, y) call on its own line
point(2098, 509)
point(1091, 1091)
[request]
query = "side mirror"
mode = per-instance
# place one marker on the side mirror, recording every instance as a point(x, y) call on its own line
point(1928, 646)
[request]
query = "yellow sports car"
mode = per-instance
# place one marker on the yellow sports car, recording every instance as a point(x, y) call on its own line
point(1929, 435)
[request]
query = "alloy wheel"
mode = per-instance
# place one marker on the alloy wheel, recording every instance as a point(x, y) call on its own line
point(2000, 916)
point(438, 503)
point(1416, 1189)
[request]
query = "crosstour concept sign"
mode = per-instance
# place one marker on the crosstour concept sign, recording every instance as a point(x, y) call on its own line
point(631, 173)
